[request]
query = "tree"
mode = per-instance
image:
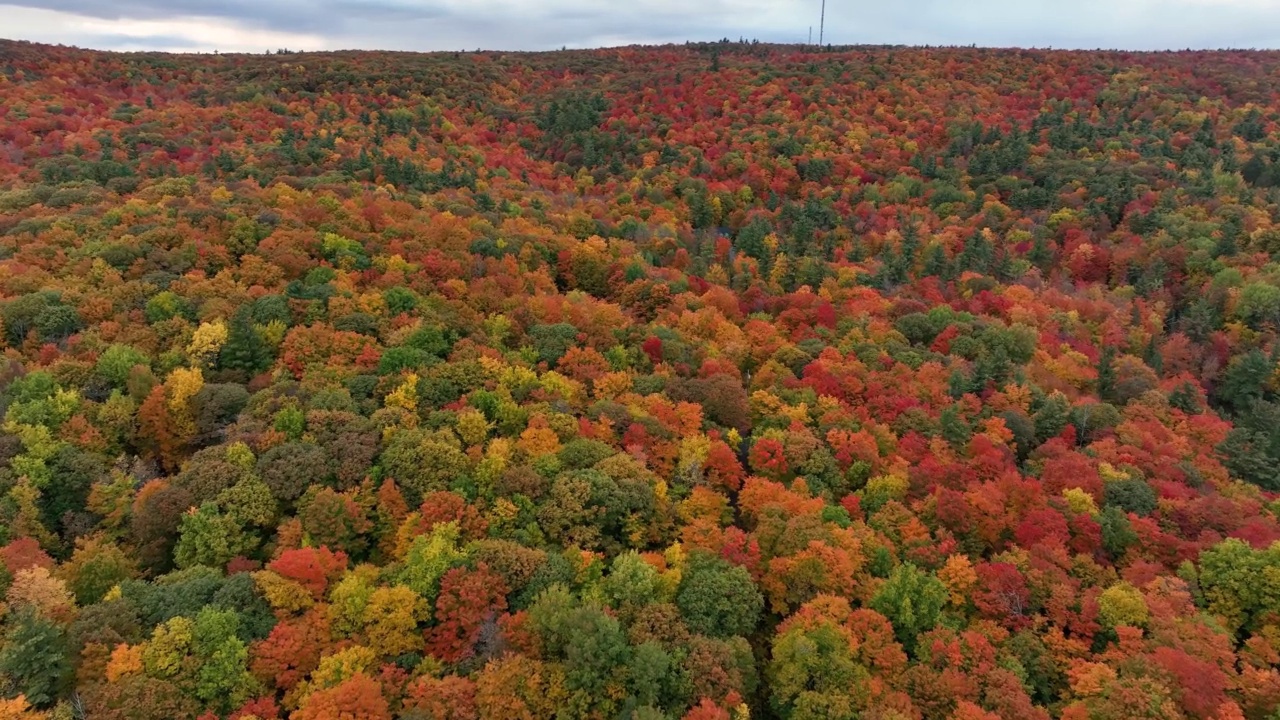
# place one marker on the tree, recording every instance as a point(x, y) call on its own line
point(1001, 594)
point(1240, 584)
point(390, 620)
point(469, 600)
point(1132, 495)
point(447, 698)
point(631, 583)
point(244, 349)
point(521, 688)
point(33, 658)
point(207, 536)
point(312, 568)
point(718, 599)
point(356, 698)
point(291, 468)
point(97, 566)
point(813, 673)
point(117, 361)
point(223, 680)
point(139, 697)
point(429, 558)
point(1122, 604)
point(912, 600)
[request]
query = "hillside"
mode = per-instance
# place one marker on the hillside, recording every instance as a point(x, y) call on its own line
point(703, 382)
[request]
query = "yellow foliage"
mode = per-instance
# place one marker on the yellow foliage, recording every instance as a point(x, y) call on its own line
point(571, 390)
point(408, 530)
point(693, 453)
point(959, 577)
point(1110, 473)
point(733, 439)
point(162, 656)
point(405, 397)
point(675, 556)
point(503, 511)
point(1080, 501)
point(391, 620)
point(183, 384)
point(473, 427)
point(272, 333)
point(206, 341)
point(350, 598)
point(892, 487)
point(1123, 604)
point(282, 594)
point(514, 377)
point(342, 665)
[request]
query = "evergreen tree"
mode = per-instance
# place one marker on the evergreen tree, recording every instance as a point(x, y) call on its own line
point(244, 350)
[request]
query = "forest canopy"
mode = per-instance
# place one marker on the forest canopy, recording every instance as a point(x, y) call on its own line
point(698, 382)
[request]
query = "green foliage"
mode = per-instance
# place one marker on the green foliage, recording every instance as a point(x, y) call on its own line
point(718, 599)
point(117, 361)
point(1133, 495)
point(1240, 584)
point(429, 558)
point(210, 537)
point(33, 659)
point(813, 674)
point(912, 600)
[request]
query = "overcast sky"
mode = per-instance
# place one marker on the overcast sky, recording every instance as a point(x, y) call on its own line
point(259, 25)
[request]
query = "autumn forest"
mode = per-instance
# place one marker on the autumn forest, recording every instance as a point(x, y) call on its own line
point(721, 381)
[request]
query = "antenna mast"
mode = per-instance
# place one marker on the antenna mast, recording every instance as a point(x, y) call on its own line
point(822, 22)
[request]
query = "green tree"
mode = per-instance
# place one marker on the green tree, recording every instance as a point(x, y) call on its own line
point(1240, 584)
point(245, 350)
point(429, 558)
point(210, 537)
point(223, 681)
point(631, 582)
point(717, 598)
point(33, 659)
point(1132, 495)
point(116, 362)
point(912, 600)
point(1117, 533)
point(813, 674)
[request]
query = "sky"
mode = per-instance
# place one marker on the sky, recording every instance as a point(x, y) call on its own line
point(260, 25)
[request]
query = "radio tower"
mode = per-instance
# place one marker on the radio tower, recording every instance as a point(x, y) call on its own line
point(822, 22)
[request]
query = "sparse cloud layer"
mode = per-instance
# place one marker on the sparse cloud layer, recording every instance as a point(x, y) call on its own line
point(259, 25)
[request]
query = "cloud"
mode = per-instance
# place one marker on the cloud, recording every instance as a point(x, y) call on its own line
point(258, 25)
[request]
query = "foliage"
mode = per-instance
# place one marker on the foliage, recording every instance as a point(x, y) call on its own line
point(514, 385)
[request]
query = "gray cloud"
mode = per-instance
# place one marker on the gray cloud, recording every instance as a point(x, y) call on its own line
point(545, 24)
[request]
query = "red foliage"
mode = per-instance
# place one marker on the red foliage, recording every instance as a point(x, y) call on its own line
point(468, 600)
point(22, 553)
point(313, 568)
point(1001, 594)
